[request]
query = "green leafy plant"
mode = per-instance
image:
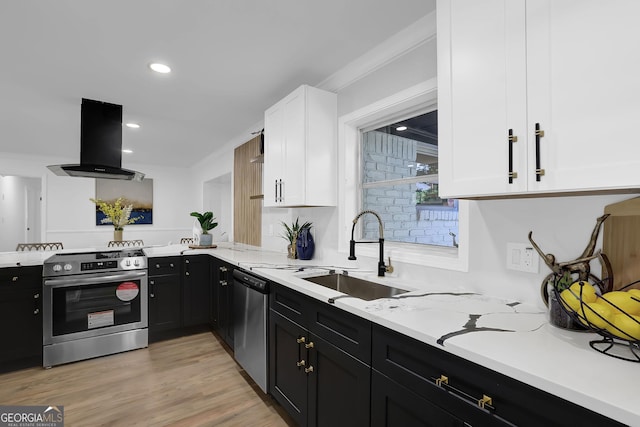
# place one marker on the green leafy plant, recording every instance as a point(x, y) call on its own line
point(206, 221)
point(291, 231)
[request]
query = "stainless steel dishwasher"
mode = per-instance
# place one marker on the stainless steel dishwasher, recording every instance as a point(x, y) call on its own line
point(251, 308)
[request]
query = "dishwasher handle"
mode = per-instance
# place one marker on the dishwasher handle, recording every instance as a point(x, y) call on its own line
point(249, 280)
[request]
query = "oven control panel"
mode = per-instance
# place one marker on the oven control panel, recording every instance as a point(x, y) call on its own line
point(94, 262)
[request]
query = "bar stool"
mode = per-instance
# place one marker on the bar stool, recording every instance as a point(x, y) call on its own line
point(124, 243)
point(52, 246)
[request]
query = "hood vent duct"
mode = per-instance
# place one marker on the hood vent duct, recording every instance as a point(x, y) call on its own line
point(100, 144)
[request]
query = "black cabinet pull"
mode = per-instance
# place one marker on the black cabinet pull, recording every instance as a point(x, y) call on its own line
point(512, 139)
point(275, 199)
point(539, 134)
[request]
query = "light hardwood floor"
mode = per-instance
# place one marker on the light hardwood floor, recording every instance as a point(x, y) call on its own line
point(187, 381)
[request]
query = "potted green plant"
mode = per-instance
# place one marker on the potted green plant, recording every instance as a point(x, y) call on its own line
point(291, 235)
point(206, 223)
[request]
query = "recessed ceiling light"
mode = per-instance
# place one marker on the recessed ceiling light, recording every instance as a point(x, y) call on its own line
point(126, 150)
point(160, 68)
point(133, 125)
point(401, 128)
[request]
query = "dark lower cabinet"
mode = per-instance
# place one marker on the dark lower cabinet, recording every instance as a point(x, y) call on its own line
point(337, 388)
point(165, 297)
point(318, 383)
point(394, 405)
point(164, 303)
point(20, 317)
point(196, 290)
point(413, 370)
point(288, 381)
point(222, 300)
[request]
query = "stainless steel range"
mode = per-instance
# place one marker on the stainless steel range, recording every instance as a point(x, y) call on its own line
point(94, 304)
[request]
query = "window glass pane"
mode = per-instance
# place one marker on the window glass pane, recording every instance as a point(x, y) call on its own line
point(400, 183)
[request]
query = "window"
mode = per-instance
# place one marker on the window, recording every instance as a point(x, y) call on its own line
point(400, 183)
point(413, 101)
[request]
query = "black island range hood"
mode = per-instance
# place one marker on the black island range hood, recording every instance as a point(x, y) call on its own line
point(100, 144)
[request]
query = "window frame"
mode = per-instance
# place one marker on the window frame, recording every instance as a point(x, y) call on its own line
point(417, 98)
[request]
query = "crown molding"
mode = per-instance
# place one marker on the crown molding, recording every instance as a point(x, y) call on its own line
point(406, 40)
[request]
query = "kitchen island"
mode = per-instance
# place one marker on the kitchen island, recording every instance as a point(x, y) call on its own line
point(505, 336)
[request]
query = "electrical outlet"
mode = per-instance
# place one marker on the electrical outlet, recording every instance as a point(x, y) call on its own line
point(522, 257)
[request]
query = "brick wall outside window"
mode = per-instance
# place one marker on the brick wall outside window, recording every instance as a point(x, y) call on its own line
point(387, 157)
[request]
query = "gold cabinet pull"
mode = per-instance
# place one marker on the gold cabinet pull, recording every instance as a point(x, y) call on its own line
point(310, 345)
point(301, 340)
point(309, 369)
point(442, 380)
point(301, 363)
point(486, 400)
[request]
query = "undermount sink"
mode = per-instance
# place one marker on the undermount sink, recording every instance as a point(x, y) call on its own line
point(358, 288)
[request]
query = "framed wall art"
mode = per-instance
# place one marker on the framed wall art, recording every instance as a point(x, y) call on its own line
point(137, 193)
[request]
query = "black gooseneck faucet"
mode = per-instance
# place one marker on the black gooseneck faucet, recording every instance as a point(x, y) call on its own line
point(382, 268)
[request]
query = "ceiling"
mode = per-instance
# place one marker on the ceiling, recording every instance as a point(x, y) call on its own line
point(231, 60)
point(422, 128)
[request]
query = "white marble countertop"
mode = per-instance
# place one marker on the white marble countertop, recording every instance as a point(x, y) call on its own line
point(504, 335)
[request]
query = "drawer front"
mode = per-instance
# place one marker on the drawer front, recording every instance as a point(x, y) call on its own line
point(164, 265)
point(346, 331)
point(418, 366)
point(291, 304)
point(21, 276)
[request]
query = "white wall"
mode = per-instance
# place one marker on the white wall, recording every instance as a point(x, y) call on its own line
point(69, 215)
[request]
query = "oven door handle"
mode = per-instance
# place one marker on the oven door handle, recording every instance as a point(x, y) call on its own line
point(99, 279)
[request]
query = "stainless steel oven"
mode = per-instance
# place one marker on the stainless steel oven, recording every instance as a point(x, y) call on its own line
point(94, 304)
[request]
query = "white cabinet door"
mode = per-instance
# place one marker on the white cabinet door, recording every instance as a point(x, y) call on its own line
point(481, 96)
point(273, 154)
point(295, 149)
point(584, 91)
point(300, 153)
point(573, 73)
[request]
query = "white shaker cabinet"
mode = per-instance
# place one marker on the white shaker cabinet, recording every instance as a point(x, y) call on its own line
point(559, 75)
point(300, 149)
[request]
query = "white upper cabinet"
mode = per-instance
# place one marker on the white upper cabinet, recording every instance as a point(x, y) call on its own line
point(560, 76)
point(300, 149)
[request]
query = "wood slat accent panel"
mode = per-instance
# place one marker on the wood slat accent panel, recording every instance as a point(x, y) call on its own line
point(189, 381)
point(247, 189)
